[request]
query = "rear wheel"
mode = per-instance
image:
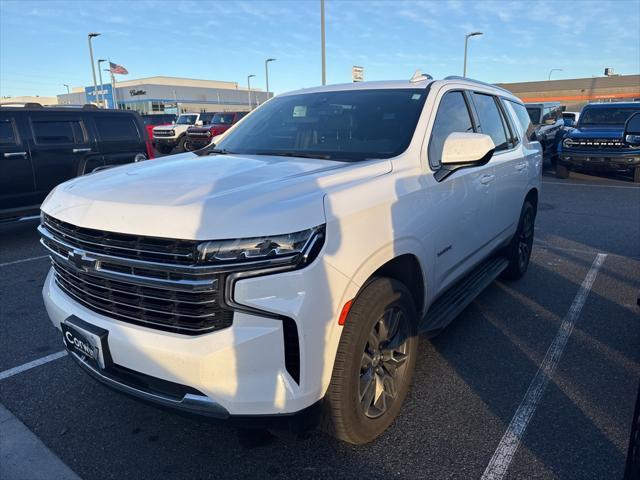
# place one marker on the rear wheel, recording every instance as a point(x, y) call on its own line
point(562, 171)
point(518, 252)
point(374, 363)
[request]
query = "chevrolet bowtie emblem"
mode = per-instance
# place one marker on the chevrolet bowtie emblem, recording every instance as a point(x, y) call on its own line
point(80, 260)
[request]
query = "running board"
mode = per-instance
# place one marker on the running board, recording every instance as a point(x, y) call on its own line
point(446, 308)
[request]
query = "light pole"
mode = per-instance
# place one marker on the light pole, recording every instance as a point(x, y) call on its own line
point(466, 40)
point(324, 60)
point(249, 90)
point(93, 68)
point(68, 91)
point(266, 72)
point(101, 60)
point(554, 70)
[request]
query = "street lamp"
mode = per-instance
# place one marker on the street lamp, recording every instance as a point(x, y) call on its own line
point(466, 40)
point(249, 90)
point(266, 72)
point(68, 91)
point(324, 60)
point(93, 68)
point(554, 70)
point(101, 60)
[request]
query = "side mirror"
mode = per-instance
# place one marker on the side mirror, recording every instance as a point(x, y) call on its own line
point(199, 123)
point(464, 150)
point(632, 129)
point(568, 122)
point(173, 122)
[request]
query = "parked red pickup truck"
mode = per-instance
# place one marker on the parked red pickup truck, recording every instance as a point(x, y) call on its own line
point(199, 137)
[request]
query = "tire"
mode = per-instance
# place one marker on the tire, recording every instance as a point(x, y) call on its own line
point(182, 144)
point(164, 149)
point(355, 410)
point(562, 171)
point(636, 175)
point(518, 252)
point(187, 147)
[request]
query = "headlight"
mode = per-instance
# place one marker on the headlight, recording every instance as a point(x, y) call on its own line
point(568, 143)
point(288, 249)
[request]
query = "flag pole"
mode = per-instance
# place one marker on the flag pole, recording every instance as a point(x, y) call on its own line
point(113, 87)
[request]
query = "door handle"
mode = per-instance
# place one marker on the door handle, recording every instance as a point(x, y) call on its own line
point(15, 154)
point(487, 179)
point(520, 166)
point(81, 150)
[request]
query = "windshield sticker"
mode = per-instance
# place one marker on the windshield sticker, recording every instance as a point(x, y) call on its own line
point(416, 96)
point(300, 111)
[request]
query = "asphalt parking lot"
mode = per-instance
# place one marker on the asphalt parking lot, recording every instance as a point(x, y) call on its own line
point(469, 382)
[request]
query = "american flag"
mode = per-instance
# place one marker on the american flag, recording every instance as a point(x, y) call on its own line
point(119, 69)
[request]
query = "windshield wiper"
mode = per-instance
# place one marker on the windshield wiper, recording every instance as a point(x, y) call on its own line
point(220, 151)
point(295, 154)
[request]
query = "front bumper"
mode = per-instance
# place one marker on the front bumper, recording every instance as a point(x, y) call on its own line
point(198, 142)
point(165, 141)
point(600, 161)
point(240, 370)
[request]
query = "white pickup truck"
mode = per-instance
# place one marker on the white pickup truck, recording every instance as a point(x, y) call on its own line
point(291, 267)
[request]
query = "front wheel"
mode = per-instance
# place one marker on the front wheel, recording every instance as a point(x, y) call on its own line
point(374, 363)
point(518, 252)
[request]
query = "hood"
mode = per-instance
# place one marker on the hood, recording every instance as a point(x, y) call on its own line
point(597, 131)
point(164, 127)
point(206, 197)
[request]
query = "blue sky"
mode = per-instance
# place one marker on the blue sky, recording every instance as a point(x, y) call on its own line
point(43, 43)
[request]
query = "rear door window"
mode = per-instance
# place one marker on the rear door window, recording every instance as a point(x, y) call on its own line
point(57, 132)
point(116, 127)
point(491, 122)
point(523, 117)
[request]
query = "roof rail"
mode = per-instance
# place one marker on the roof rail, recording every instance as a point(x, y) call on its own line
point(479, 82)
point(21, 104)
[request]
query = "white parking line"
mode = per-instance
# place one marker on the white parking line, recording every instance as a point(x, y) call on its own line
point(589, 185)
point(6, 264)
point(29, 365)
point(510, 441)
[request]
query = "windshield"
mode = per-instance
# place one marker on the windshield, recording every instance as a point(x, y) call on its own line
point(612, 116)
point(534, 114)
point(186, 120)
point(223, 118)
point(346, 125)
point(156, 119)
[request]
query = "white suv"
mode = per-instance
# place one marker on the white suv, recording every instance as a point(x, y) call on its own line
point(168, 137)
point(294, 264)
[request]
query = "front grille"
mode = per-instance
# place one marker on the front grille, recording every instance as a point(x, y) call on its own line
point(163, 133)
point(597, 144)
point(105, 273)
point(199, 134)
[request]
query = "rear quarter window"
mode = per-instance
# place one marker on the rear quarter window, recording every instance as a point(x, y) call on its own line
point(116, 127)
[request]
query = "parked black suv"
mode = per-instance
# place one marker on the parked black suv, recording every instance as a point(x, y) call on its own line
point(41, 147)
point(547, 119)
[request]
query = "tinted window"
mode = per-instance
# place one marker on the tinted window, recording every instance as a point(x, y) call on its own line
point(7, 134)
point(157, 119)
point(490, 120)
point(52, 132)
point(507, 116)
point(223, 118)
point(344, 125)
point(116, 127)
point(534, 114)
point(523, 117)
point(453, 116)
point(606, 116)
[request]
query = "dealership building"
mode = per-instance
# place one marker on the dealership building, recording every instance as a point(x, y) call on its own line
point(169, 95)
point(576, 93)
